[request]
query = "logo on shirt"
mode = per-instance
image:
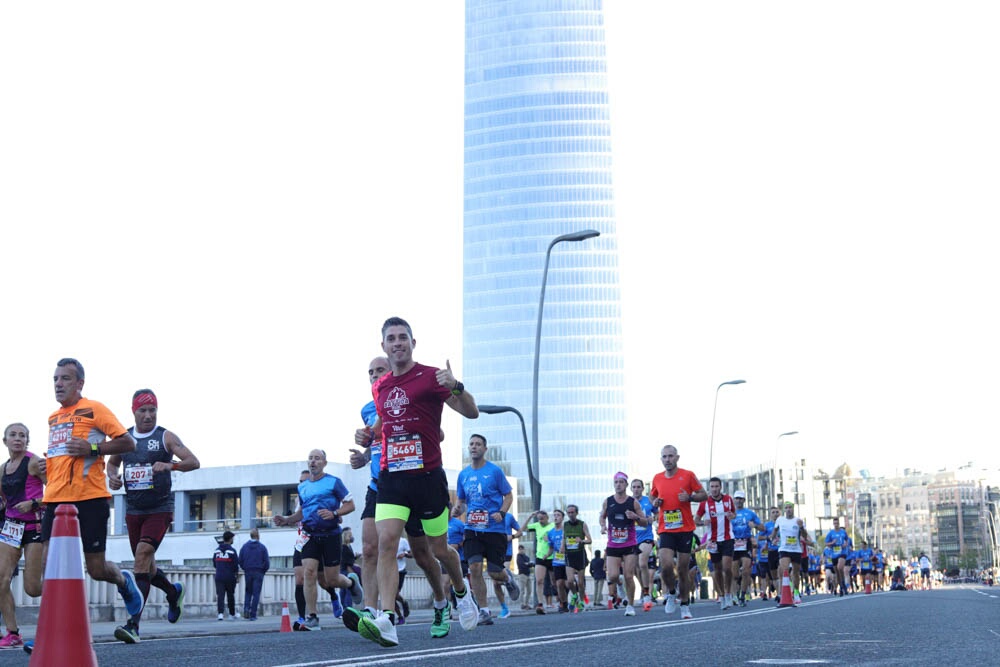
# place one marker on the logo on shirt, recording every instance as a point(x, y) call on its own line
point(153, 445)
point(396, 402)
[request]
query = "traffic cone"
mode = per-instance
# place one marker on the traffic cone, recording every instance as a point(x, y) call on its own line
point(63, 634)
point(286, 620)
point(868, 586)
point(786, 591)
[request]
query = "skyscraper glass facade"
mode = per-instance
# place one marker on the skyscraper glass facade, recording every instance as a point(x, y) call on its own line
point(538, 165)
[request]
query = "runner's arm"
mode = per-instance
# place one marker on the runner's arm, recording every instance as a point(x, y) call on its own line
point(188, 461)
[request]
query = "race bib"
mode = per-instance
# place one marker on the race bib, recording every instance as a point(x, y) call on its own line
point(12, 533)
point(404, 452)
point(763, 549)
point(619, 535)
point(791, 541)
point(866, 565)
point(572, 543)
point(301, 539)
point(740, 544)
point(59, 436)
point(478, 519)
point(139, 477)
point(672, 519)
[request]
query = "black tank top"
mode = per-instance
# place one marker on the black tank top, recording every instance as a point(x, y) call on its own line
point(146, 492)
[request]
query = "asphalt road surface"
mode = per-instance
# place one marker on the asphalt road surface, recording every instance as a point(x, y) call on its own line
point(959, 624)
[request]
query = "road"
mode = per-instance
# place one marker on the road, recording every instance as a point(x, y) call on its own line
point(954, 624)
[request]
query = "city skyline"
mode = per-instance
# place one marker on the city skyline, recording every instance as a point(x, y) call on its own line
point(805, 195)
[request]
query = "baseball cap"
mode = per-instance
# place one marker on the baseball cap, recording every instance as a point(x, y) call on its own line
point(740, 494)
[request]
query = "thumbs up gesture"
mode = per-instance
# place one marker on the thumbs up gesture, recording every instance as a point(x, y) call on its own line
point(445, 377)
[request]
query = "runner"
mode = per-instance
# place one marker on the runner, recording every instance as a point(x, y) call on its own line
point(763, 561)
point(620, 513)
point(576, 537)
point(925, 572)
point(672, 493)
point(836, 539)
point(773, 558)
point(866, 564)
point(744, 523)
point(555, 538)
point(149, 502)
point(79, 433)
point(789, 534)
point(539, 523)
point(21, 491)
point(323, 500)
point(411, 480)
point(488, 495)
point(720, 511)
point(456, 540)
point(512, 531)
point(829, 563)
point(644, 537)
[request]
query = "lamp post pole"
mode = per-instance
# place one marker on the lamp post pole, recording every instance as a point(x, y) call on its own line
point(711, 441)
point(775, 482)
point(574, 237)
point(535, 485)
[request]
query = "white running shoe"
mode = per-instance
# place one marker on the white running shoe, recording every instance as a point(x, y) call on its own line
point(629, 610)
point(671, 605)
point(468, 610)
point(686, 612)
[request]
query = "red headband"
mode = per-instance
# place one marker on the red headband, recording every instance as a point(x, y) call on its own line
point(143, 399)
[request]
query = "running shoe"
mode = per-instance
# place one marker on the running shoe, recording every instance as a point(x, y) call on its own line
point(513, 590)
point(586, 599)
point(29, 646)
point(468, 610)
point(670, 606)
point(11, 640)
point(504, 610)
point(379, 630)
point(127, 633)
point(311, 623)
point(406, 608)
point(441, 623)
point(611, 603)
point(176, 608)
point(336, 607)
point(629, 610)
point(685, 612)
point(352, 615)
point(131, 594)
point(540, 610)
point(220, 617)
point(647, 606)
point(357, 593)
point(400, 614)
point(485, 618)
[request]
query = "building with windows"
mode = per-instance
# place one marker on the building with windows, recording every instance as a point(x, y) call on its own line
point(537, 166)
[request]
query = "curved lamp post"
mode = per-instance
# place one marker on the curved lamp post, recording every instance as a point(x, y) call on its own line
point(536, 486)
point(711, 442)
point(775, 481)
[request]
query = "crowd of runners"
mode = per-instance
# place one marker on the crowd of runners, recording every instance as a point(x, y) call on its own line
point(653, 530)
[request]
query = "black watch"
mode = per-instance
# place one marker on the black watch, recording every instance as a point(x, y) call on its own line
point(458, 390)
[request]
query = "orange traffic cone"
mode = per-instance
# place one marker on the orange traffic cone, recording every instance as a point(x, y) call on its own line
point(868, 586)
point(63, 634)
point(786, 591)
point(286, 620)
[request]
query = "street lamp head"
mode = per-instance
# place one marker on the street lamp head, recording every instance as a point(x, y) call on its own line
point(780, 436)
point(733, 382)
point(494, 409)
point(576, 236)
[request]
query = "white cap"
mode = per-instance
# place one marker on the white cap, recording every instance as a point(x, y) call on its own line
point(740, 494)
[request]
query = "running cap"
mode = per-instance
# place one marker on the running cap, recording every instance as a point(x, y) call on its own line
point(789, 503)
point(620, 475)
point(142, 398)
point(740, 494)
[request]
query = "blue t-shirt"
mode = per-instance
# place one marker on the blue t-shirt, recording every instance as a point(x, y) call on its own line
point(742, 523)
point(837, 540)
point(482, 490)
point(645, 534)
point(456, 533)
point(327, 492)
point(865, 559)
point(828, 558)
point(763, 542)
point(369, 416)
point(555, 537)
point(511, 526)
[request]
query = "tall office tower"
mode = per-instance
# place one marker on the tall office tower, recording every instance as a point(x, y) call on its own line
point(537, 166)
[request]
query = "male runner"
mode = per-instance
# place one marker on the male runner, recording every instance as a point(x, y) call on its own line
point(672, 493)
point(411, 480)
point(576, 537)
point(716, 513)
point(484, 488)
point(644, 537)
point(744, 523)
point(323, 500)
point(620, 513)
point(79, 433)
point(773, 558)
point(789, 533)
point(555, 538)
point(538, 522)
point(836, 539)
point(512, 530)
point(866, 563)
point(149, 502)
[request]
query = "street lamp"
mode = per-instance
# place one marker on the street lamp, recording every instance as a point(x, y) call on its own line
point(536, 486)
point(711, 442)
point(574, 237)
point(775, 483)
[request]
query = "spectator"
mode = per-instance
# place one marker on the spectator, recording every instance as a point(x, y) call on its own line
point(524, 576)
point(255, 563)
point(599, 575)
point(227, 570)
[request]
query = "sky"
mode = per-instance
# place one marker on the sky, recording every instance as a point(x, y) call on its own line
point(223, 201)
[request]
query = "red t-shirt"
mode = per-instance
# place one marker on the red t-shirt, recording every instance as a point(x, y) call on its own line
point(675, 516)
point(720, 528)
point(410, 408)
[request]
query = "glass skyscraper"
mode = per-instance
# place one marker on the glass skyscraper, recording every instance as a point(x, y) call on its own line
point(538, 165)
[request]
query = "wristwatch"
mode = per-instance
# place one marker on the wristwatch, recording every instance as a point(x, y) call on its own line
point(459, 388)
